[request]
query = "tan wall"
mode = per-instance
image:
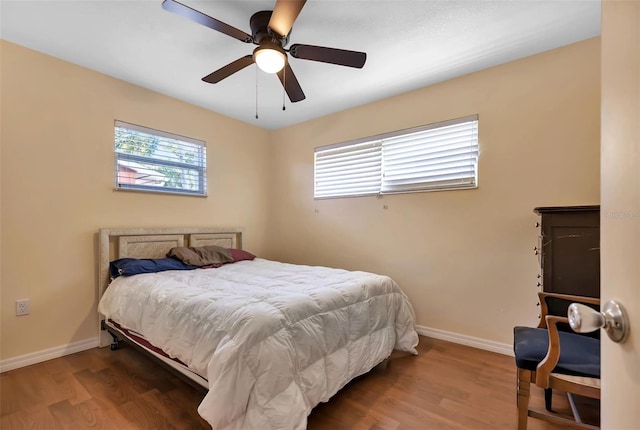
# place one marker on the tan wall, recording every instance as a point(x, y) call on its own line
point(465, 258)
point(57, 188)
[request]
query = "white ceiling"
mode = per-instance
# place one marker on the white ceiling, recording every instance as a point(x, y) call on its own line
point(409, 44)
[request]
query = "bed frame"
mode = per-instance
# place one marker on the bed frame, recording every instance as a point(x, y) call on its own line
point(115, 243)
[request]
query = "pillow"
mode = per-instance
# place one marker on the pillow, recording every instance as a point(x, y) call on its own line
point(202, 255)
point(241, 254)
point(237, 254)
point(134, 266)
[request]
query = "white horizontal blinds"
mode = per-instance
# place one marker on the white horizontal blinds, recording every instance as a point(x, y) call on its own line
point(349, 170)
point(439, 156)
point(432, 157)
point(153, 160)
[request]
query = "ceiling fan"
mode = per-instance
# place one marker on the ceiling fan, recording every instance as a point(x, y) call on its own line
point(270, 30)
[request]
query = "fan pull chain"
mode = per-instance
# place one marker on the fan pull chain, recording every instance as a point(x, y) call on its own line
point(284, 85)
point(256, 91)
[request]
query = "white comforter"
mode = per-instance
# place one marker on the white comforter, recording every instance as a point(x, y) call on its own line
point(273, 339)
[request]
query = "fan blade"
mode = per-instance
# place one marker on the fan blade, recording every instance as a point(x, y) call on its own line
point(291, 84)
point(206, 20)
point(341, 57)
point(229, 69)
point(284, 15)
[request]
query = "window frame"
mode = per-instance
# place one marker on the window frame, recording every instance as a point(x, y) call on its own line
point(380, 141)
point(200, 168)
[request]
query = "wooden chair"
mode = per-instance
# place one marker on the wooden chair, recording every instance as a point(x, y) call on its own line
point(553, 358)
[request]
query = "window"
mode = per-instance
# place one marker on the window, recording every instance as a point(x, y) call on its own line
point(440, 156)
point(152, 160)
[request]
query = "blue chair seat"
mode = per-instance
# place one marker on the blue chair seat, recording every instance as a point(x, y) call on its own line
point(579, 355)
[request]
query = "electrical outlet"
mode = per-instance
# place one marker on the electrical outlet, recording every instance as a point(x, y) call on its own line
point(22, 307)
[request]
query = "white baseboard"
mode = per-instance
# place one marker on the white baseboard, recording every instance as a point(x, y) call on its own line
point(475, 342)
point(47, 354)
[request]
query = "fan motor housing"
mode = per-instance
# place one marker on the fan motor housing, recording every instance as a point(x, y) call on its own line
point(260, 31)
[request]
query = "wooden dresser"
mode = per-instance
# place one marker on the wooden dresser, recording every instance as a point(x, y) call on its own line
point(569, 249)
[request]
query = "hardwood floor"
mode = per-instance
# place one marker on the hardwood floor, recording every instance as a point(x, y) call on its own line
point(447, 386)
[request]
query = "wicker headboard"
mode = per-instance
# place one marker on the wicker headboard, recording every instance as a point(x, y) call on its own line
point(117, 243)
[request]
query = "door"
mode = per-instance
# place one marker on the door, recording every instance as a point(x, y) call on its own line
point(620, 207)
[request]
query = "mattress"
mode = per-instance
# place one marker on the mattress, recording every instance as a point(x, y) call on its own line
point(273, 339)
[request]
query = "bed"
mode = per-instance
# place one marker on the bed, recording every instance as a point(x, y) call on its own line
point(269, 340)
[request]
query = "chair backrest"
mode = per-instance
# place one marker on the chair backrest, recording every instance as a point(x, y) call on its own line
point(560, 307)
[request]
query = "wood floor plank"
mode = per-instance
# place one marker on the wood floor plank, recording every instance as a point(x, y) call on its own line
point(16, 393)
point(179, 416)
point(105, 387)
point(143, 414)
point(88, 414)
point(32, 418)
point(447, 386)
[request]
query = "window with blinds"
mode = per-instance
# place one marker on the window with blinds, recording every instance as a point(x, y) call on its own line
point(157, 161)
point(440, 156)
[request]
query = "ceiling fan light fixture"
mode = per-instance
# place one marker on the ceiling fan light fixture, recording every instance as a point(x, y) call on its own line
point(270, 57)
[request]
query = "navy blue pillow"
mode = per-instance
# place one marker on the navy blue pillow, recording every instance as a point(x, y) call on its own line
point(134, 266)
